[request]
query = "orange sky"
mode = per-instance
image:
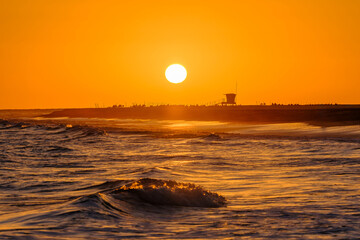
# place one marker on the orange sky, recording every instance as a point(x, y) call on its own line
point(77, 53)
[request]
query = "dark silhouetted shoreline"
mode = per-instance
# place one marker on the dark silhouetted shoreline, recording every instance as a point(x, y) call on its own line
point(324, 115)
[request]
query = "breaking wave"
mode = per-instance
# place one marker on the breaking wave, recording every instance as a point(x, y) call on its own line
point(163, 192)
point(155, 192)
point(119, 200)
point(77, 131)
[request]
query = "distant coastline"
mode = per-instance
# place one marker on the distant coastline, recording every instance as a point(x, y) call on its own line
point(323, 115)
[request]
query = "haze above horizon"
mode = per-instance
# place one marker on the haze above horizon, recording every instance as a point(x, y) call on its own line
point(63, 54)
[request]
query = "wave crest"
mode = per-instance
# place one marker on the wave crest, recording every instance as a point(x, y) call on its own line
point(164, 192)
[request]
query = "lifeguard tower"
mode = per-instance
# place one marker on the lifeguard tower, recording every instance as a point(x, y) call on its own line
point(230, 99)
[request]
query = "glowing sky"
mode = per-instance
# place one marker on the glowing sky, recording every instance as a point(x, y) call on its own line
point(77, 53)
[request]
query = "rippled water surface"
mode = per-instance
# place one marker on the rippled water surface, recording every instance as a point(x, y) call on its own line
point(91, 178)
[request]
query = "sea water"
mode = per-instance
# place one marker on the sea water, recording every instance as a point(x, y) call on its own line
point(113, 179)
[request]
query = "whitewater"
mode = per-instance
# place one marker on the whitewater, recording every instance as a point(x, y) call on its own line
point(146, 179)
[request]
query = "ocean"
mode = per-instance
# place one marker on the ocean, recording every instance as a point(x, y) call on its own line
point(82, 178)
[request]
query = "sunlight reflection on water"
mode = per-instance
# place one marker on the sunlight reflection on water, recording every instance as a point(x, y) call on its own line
point(279, 180)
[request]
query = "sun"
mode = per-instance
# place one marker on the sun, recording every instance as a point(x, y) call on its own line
point(175, 73)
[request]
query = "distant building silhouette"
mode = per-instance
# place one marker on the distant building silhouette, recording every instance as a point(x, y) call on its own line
point(230, 99)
